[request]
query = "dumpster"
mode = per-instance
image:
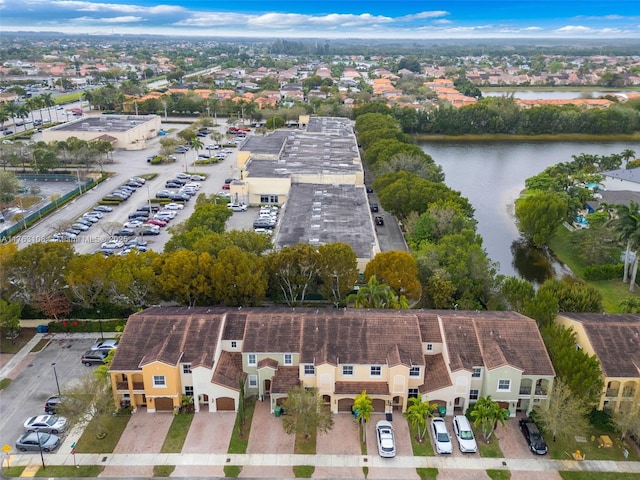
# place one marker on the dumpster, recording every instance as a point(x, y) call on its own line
point(442, 410)
point(389, 416)
point(277, 410)
point(42, 328)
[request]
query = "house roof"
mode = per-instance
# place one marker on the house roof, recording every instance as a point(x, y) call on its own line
point(429, 326)
point(630, 175)
point(436, 375)
point(356, 388)
point(234, 326)
point(229, 370)
point(169, 335)
point(285, 379)
point(615, 339)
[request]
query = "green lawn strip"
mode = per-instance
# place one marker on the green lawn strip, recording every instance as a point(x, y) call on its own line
point(232, 471)
point(305, 446)
point(489, 450)
point(427, 473)
point(86, 471)
point(238, 443)
point(38, 347)
point(597, 475)
point(303, 471)
point(177, 433)
point(68, 98)
point(423, 448)
point(113, 426)
point(13, 471)
point(563, 447)
point(499, 474)
point(4, 383)
point(163, 470)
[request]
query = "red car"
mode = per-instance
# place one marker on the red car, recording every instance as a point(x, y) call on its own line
point(155, 221)
point(226, 186)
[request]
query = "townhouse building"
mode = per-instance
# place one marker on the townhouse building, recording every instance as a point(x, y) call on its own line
point(447, 357)
point(615, 340)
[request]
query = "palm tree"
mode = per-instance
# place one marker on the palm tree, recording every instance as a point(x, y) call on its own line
point(418, 414)
point(627, 226)
point(377, 295)
point(486, 414)
point(363, 407)
point(627, 154)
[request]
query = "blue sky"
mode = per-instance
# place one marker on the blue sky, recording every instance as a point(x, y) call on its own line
point(329, 19)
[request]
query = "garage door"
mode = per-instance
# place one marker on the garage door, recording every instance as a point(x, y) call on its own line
point(164, 404)
point(378, 405)
point(225, 403)
point(345, 404)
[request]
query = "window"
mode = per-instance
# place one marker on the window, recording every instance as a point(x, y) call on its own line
point(234, 344)
point(309, 370)
point(429, 347)
point(252, 360)
point(477, 371)
point(288, 359)
point(504, 385)
point(414, 372)
point(376, 370)
point(253, 381)
point(159, 381)
point(473, 394)
point(413, 393)
point(347, 370)
point(188, 390)
point(186, 368)
point(268, 198)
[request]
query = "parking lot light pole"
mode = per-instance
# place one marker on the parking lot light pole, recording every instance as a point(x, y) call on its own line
point(44, 467)
point(100, 322)
point(55, 374)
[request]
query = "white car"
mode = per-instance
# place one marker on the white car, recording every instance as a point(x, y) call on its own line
point(464, 434)
point(132, 224)
point(174, 206)
point(199, 178)
point(212, 147)
point(111, 244)
point(223, 194)
point(45, 424)
point(237, 207)
point(94, 213)
point(441, 437)
point(386, 439)
point(106, 344)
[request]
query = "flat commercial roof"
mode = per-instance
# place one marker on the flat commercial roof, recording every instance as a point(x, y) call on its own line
point(105, 123)
point(320, 214)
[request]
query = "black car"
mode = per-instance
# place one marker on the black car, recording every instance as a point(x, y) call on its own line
point(379, 221)
point(125, 232)
point(179, 197)
point(374, 207)
point(51, 404)
point(264, 224)
point(173, 185)
point(163, 194)
point(138, 215)
point(147, 208)
point(533, 436)
point(148, 231)
point(94, 357)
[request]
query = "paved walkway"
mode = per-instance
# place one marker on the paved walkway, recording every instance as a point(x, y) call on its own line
point(64, 457)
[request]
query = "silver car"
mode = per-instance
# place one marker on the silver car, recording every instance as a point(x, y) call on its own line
point(45, 424)
point(35, 441)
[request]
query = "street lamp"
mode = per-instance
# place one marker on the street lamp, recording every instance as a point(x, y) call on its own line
point(55, 374)
point(44, 467)
point(100, 320)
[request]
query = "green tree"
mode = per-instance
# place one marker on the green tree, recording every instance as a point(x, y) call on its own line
point(209, 216)
point(543, 307)
point(337, 271)
point(9, 187)
point(627, 421)
point(363, 408)
point(573, 296)
point(306, 413)
point(239, 278)
point(10, 318)
point(88, 279)
point(376, 295)
point(486, 414)
point(397, 269)
point(627, 226)
point(293, 270)
point(578, 370)
point(517, 292)
point(132, 280)
point(539, 215)
point(418, 414)
point(185, 277)
point(564, 414)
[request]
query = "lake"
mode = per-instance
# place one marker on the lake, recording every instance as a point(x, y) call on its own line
point(550, 95)
point(492, 174)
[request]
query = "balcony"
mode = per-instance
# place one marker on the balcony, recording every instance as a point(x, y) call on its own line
point(628, 393)
point(525, 391)
point(541, 390)
point(124, 386)
point(612, 392)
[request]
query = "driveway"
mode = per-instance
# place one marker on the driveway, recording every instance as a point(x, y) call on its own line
point(267, 436)
point(403, 448)
point(210, 432)
point(342, 439)
point(145, 433)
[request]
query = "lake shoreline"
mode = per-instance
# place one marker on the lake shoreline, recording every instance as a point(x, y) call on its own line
point(420, 137)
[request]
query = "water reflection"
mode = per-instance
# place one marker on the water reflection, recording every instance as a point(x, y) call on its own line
point(536, 265)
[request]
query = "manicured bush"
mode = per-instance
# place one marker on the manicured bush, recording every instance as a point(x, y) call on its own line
point(604, 272)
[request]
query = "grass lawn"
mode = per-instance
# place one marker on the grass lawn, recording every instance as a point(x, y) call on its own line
point(14, 346)
point(563, 447)
point(489, 450)
point(232, 471)
point(177, 433)
point(499, 474)
point(113, 425)
point(163, 470)
point(13, 471)
point(303, 471)
point(427, 473)
point(421, 449)
point(597, 476)
point(238, 443)
point(86, 471)
point(613, 291)
point(305, 446)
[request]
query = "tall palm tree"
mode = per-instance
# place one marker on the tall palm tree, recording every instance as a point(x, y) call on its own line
point(627, 226)
point(418, 414)
point(363, 407)
point(486, 414)
point(627, 154)
point(377, 295)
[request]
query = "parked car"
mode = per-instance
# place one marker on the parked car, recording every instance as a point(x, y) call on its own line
point(441, 437)
point(464, 434)
point(379, 221)
point(91, 218)
point(133, 224)
point(237, 207)
point(164, 194)
point(374, 207)
point(198, 178)
point(183, 176)
point(533, 436)
point(139, 180)
point(84, 221)
point(138, 215)
point(52, 403)
point(112, 244)
point(155, 221)
point(80, 226)
point(386, 439)
point(106, 344)
point(94, 357)
point(174, 206)
point(226, 186)
point(124, 232)
point(149, 231)
point(103, 208)
point(38, 441)
point(179, 180)
point(45, 424)
point(172, 185)
point(179, 197)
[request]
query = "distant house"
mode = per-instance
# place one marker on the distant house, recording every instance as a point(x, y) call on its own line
point(622, 179)
point(615, 340)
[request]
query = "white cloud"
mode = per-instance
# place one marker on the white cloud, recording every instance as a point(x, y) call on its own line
point(423, 15)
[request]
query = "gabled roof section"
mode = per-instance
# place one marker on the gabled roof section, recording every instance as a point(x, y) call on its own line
point(615, 339)
point(429, 326)
point(169, 335)
point(436, 375)
point(272, 331)
point(229, 370)
point(234, 325)
point(267, 363)
point(285, 379)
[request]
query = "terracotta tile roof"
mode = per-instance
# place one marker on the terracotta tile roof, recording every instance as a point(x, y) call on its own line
point(275, 331)
point(234, 326)
point(268, 363)
point(285, 379)
point(229, 370)
point(429, 326)
point(436, 375)
point(615, 339)
point(169, 335)
point(356, 388)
